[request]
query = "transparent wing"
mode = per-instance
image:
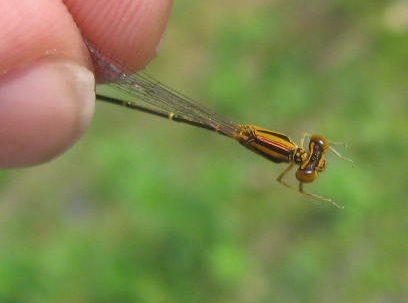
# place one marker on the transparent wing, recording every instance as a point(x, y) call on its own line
point(141, 87)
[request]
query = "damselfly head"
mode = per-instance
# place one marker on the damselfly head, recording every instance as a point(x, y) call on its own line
point(315, 162)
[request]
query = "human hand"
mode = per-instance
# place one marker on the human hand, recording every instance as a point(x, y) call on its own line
point(46, 84)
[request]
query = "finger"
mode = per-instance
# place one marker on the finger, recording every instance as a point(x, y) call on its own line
point(33, 29)
point(46, 91)
point(128, 31)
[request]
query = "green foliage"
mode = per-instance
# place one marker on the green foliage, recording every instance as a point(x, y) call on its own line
point(147, 210)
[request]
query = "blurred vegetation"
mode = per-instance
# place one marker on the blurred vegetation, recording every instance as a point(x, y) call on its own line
point(147, 210)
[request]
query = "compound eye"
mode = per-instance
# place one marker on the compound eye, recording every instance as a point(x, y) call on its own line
point(306, 176)
point(322, 141)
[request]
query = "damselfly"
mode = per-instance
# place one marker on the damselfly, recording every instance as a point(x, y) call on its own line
point(160, 100)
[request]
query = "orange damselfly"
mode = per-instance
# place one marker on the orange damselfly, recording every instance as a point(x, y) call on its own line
point(160, 100)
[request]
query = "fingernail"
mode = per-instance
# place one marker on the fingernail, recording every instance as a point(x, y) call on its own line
point(44, 109)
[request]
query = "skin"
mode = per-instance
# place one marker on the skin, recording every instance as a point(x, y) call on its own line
point(46, 74)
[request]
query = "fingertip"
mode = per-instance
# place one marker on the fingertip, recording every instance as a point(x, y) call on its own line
point(29, 30)
point(128, 31)
point(44, 109)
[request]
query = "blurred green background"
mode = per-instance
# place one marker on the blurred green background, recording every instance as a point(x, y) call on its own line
point(147, 210)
